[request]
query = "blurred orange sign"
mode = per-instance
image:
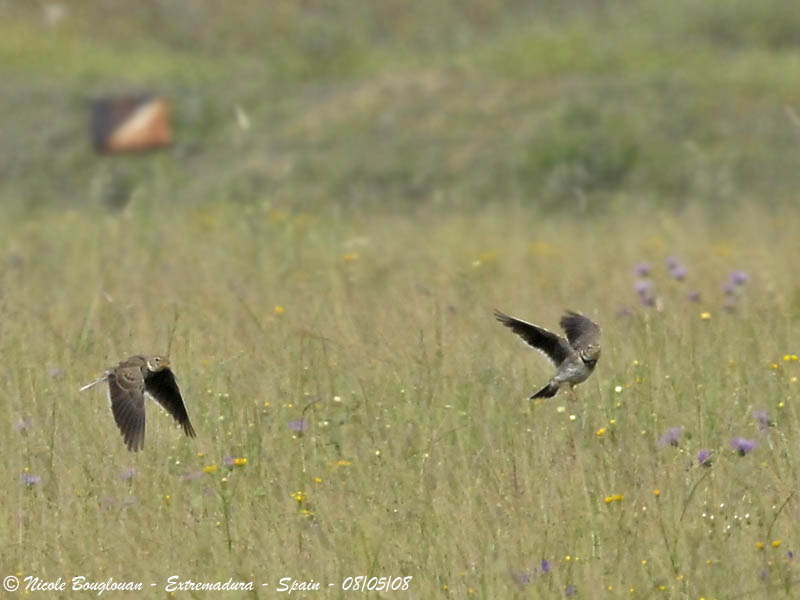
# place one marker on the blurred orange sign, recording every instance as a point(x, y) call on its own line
point(130, 124)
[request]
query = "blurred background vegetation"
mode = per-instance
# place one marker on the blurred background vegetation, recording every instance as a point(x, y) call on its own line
point(565, 105)
point(353, 187)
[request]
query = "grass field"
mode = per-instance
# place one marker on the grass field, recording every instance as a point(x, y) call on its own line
point(324, 283)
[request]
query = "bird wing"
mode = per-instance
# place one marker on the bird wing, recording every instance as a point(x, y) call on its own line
point(126, 395)
point(581, 331)
point(161, 385)
point(551, 345)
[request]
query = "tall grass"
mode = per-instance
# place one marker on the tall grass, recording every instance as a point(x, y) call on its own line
point(323, 281)
point(421, 455)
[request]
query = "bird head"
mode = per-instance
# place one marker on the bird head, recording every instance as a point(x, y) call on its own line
point(591, 353)
point(157, 363)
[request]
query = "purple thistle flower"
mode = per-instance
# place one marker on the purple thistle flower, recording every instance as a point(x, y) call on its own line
point(522, 578)
point(764, 422)
point(298, 425)
point(790, 555)
point(545, 566)
point(570, 590)
point(704, 458)
point(679, 272)
point(642, 269)
point(643, 287)
point(671, 437)
point(673, 262)
point(194, 476)
point(730, 304)
point(743, 445)
point(739, 278)
point(128, 473)
point(694, 296)
point(30, 479)
point(23, 424)
point(230, 461)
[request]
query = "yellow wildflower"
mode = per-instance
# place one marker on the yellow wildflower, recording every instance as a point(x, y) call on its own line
point(344, 463)
point(541, 248)
point(278, 310)
point(705, 315)
point(656, 492)
point(240, 462)
point(277, 216)
point(601, 432)
point(300, 496)
point(210, 468)
point(760, 545)
point(614, 498)
point(776, 544)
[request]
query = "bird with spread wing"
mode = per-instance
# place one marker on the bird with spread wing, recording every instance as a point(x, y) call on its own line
point(575, 356)
point(128, 383)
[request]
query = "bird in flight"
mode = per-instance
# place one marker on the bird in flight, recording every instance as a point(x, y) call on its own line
point(575, 356)
point(128, 383)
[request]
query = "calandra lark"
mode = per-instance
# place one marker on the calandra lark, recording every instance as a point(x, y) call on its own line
point(574, 357)
point(128, 383)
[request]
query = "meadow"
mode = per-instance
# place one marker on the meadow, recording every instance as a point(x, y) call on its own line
point(323, 274)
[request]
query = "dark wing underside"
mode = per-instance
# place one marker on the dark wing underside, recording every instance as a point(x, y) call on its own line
point(126, 395)
point(161, 385)
point(553, 346)
point(581, 331)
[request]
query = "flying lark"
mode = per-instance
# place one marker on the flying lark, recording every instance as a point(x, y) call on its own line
point(574, 356)
point(128, 383)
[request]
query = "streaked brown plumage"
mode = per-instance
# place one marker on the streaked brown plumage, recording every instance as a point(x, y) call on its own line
point(575, 356)
point(128, 383)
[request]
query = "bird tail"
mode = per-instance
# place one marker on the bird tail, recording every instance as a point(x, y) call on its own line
point(547, 391)
point(94, 383)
